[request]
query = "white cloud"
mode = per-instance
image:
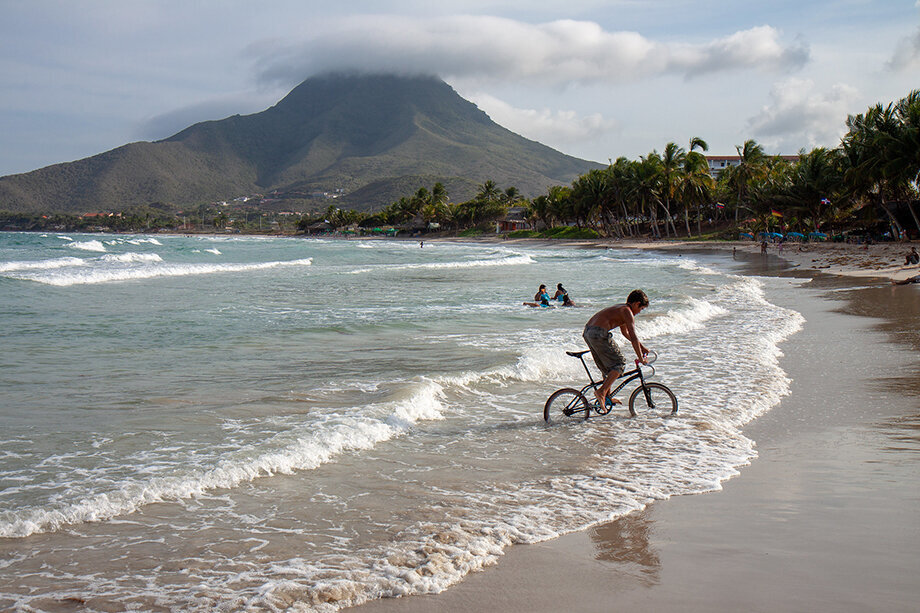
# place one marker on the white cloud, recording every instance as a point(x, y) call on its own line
point(800, 115)
point(906, 52)
point(167, 124)
point(559, 129)
point(494, 49)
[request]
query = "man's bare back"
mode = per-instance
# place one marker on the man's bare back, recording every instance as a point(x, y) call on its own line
point(612, 317)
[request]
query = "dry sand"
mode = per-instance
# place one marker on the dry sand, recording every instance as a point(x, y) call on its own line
point(825, 519)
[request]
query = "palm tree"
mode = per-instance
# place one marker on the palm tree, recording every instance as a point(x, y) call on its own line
point(590, 197)
point(672, 161)
point(438, 194)
point(750, 168)
point(618, 185)
point(696, 184)
point(511, 195)
point(867, 146)
point(488, 192)
point(539, 208)
point(643, 187)
point(559, 203)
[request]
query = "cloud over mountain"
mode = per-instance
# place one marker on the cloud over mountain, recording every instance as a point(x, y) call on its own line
point(490, 48)
point(800, 115)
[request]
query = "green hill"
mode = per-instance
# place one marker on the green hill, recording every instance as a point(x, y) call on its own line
point(375, 137)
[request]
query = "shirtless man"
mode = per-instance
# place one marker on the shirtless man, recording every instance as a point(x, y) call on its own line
point(606, 354)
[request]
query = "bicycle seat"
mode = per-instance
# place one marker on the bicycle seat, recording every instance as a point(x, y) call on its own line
point(576, 354)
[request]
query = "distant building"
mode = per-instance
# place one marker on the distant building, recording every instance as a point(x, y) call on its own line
point(514, 220)
point(718, 163)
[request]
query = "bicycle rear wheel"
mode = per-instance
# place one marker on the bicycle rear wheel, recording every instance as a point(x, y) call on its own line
point(654, 398)
point(566, 403)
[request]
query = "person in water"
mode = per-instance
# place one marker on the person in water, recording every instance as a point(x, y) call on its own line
point(560, 294)
point(563, 296)
point(541, 298)
point(912, 258)
point(599, 338)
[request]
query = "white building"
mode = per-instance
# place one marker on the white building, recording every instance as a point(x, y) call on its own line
point(718, 163)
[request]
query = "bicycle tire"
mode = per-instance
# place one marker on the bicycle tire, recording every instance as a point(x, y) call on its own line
point(663, 400)
point(566, 404)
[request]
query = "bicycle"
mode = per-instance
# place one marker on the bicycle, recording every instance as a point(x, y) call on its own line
point(572, 403)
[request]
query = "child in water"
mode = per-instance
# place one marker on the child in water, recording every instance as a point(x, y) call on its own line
point(541, 298)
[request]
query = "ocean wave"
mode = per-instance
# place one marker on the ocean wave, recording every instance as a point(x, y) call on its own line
point(512, 260)
point(92, 245)
point(130, 258)
point(41, 264)
point(303, 449)
point(65, 278)
point(680, 320)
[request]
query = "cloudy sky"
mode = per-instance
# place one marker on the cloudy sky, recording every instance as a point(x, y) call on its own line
point(593, 78)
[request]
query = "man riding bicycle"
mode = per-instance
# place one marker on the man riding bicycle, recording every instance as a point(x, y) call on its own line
point(605, 352)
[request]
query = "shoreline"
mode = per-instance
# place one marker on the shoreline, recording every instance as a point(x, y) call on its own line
point(878, 260)
point(823, 517)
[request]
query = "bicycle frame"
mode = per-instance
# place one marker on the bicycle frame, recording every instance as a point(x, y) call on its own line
point(630, 375)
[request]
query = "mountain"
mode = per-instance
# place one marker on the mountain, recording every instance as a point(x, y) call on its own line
point(374, 137)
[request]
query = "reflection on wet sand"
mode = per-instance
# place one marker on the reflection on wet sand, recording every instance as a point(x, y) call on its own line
point(898, 306)
point(904, 436)
point(626, 543)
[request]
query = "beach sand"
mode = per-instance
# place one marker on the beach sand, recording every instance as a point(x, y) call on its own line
point(824, 519)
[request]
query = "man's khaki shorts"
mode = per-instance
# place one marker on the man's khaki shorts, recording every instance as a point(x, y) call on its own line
point(606, 354)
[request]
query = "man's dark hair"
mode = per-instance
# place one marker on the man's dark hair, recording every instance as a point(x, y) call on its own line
point(637, 295)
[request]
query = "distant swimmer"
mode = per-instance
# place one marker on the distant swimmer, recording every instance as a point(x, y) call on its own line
point(541, 293)
point(560, 293)
point(563, 296)
point(599, 338)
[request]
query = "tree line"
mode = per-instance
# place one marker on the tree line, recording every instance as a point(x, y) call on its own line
point(427, 207)
point(875, 168)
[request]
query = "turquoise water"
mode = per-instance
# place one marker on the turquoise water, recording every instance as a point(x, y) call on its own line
point(264, 423)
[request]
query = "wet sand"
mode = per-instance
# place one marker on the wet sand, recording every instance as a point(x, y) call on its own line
point(824, 519)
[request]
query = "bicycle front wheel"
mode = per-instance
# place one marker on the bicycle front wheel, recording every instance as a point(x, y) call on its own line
point(566, 403)
point(653, 398)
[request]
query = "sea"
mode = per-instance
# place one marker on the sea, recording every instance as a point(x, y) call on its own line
point(240, 423)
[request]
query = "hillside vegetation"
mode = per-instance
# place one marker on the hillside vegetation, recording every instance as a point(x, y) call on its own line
point(368, 137)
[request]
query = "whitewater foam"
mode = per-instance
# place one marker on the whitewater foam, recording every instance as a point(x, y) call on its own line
point(93, 245)
point(41, 264)
point(514, 260)
point(305, 448)
point(155, 269)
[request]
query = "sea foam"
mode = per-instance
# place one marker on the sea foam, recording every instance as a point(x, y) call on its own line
point(302, 449)
point(153, 268)
point(93, 245)
point(41, 264)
